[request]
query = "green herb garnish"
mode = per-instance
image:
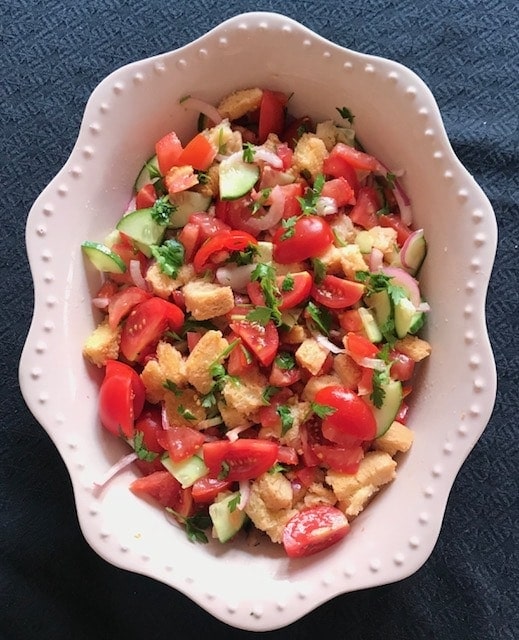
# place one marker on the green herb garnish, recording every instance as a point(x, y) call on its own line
point(169, 256)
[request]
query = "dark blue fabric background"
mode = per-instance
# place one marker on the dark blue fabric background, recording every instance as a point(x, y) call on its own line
point(52, 54)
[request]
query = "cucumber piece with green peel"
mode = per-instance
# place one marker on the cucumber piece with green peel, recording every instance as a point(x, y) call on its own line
point(186, 203)
point(388, 411)
point(150, 172)
point(102, 257)
point(364, 240)
point(407, 318)
point(370, 325)
point(236, 178)
point(141, 227)
point(227, 519)
point(188, 471)
point(380, 304)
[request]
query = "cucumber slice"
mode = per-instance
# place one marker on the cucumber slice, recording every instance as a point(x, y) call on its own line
point(407, 318)
point(364, 240)
point(187, 202)
point(226, 523)
point(380, 304)
point(236, 178)
point(188, 471)
point(150, 172)
point(370, 325)
point(413, 252)
point(140, 226)
point(385, 415)
point(103, 258)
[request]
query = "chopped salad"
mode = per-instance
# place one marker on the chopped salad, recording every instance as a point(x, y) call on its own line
point(260, 309)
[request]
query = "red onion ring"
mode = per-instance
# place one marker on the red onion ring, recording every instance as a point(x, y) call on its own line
point(208, 110)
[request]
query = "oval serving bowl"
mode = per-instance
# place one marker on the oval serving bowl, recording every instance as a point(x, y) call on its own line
point(397, 120)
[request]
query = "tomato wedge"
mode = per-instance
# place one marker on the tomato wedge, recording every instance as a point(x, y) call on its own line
point(226, 240)
point(114, 367)
point(271, 115)
point(337, 293)
point(243, 459)
point(116, 405)
point(206, 489)
point(263, 341)
point(180, 442)
point(146, 324)
point(359, 347)
point(364, 212)
point(311, 237)
point(313, 530)
point(168, 150)
point(355, 158)
point(123, 302)
point(162, 487)
point(199, 153)
point(339, 458)
point(145, 197)
point(340, 190)
point(293, 290)
point(339, 168)
point(150, 425)
point(352, 417)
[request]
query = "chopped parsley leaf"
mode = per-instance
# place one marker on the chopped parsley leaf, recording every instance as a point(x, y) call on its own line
point(261, 315)
point(185, 413)
point(285, 360)
point(287, 419)
point(195, 525)
point(345, 113)
point(288, 283)
point(380, 379)
point(234, 502)
point(171, 386)
point(162, 210)
point(169, 256)
point(319, 270)
point(265, 274)
point(277, 468)
point(321, 317)
point(322, 410)
point(289, 225)
point(143, 453)
point(248, 152)
point(309, 201)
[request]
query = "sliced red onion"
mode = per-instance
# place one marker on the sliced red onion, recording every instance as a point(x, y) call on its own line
point(209, 110)
point(271, 158)
point(121, 464)
point(406, 213)
point(234, 276)
point(244, 494)
point(210, 422)
point(165, 419)
point(136, 275)
point(372, 363)
point(131, 206)
point(376, 260)
point(410, 244)
point(233, 434)
point(100, 303)
point(269, 218)
point(328, 344)
point(423, 307)
point(405, 280)
point(326, 206)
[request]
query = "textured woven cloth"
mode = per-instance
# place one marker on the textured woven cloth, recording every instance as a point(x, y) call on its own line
point(53, 53)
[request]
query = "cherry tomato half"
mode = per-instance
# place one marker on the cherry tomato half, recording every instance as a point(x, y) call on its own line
point(199, 153)
point(122, 302)
point(180, 442)
point(311, 237)
point(121, 398)
point(168, 150)
point(364, 212)
point(337, 293)
point(243, 459)
point(300, 286)
point(226, 240)
point(150, 425)
point(263, 341)
point(313, 530)
point(271, 115)
point(352, 415)
point(206, 489)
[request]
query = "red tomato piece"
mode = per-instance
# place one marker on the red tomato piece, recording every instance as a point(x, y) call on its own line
point(146, 197)
point(168, 150)
point(340, 190)
point(359, 347)
point(150, 425)
point(107, 289)
point(161, 486)
point(350, 320)
point(146, 324)
point(337, 167)
point(286, 154)
point(114, 367)
point(263, 341)
point(244, 459)
point(364, 212)
point(352, 416)
point(339, 458)
point(312, 236)
point(180, 179)
point(287, 455)
point(199, 153)
point(356, 159)
point(208, 225)
point(395, 222)
point(337, 293)
point(402, 366)
point(313, 530)
point(206, 489)
point(240, 359)
point(271, 115)
point(288, 299)
point(180, 442)
point(123, 302)
point(116, 405)
point(127, 252)
point(193, 338)
point(295, 130)
point(227, 240)
point(283, 377)
point(268, 416)
point(190, 239)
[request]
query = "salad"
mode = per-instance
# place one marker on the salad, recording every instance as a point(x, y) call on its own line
point(260, 309)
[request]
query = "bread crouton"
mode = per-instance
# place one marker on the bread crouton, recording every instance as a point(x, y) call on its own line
point(352, 260)
point(383, 239)
point(245, 395)
point(354, 491)
point(317, 493)
point(343, 228)
point(295, 335)
point(169, 366)
point(205, 300)
point(231, 417)
point(414, 347)
point(275, 490)
point(206, 351)
point(210, 187)
point(309, 155)
point(163, 285)
point(239, 103)
point(272, 521)
point(311, 355)
point(348, 370)
point(224, 139)
point(397, 438)
point(300, 412)
point(331, 260)
point(102, 344)
point(316, 383)
point(184, 408)
point(330, 134)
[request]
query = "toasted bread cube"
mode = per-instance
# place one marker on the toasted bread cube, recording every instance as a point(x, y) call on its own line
point(169, 366)
point(245, 395)
point(239, 103)
point(184, 409)
point(397, 438)
point(311, 355)
point(332, 260)
point(224, 139)
point(309, 154)
point(300, 412)
point(352, 260)
point(205, 300)
point(348, 370)
point(206, 352)
point(414, 347)
point(276, 491)
point(295, 335)
point(383, 239)
point(271, 521)
point(231, 417)
point(317, 494)
point(211, 185)
point(343, 228)
point(354, 491)
point(317, 383)
point(163, 285)
point(102, 344)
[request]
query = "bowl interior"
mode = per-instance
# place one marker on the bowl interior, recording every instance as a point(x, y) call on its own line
point(398, 121)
